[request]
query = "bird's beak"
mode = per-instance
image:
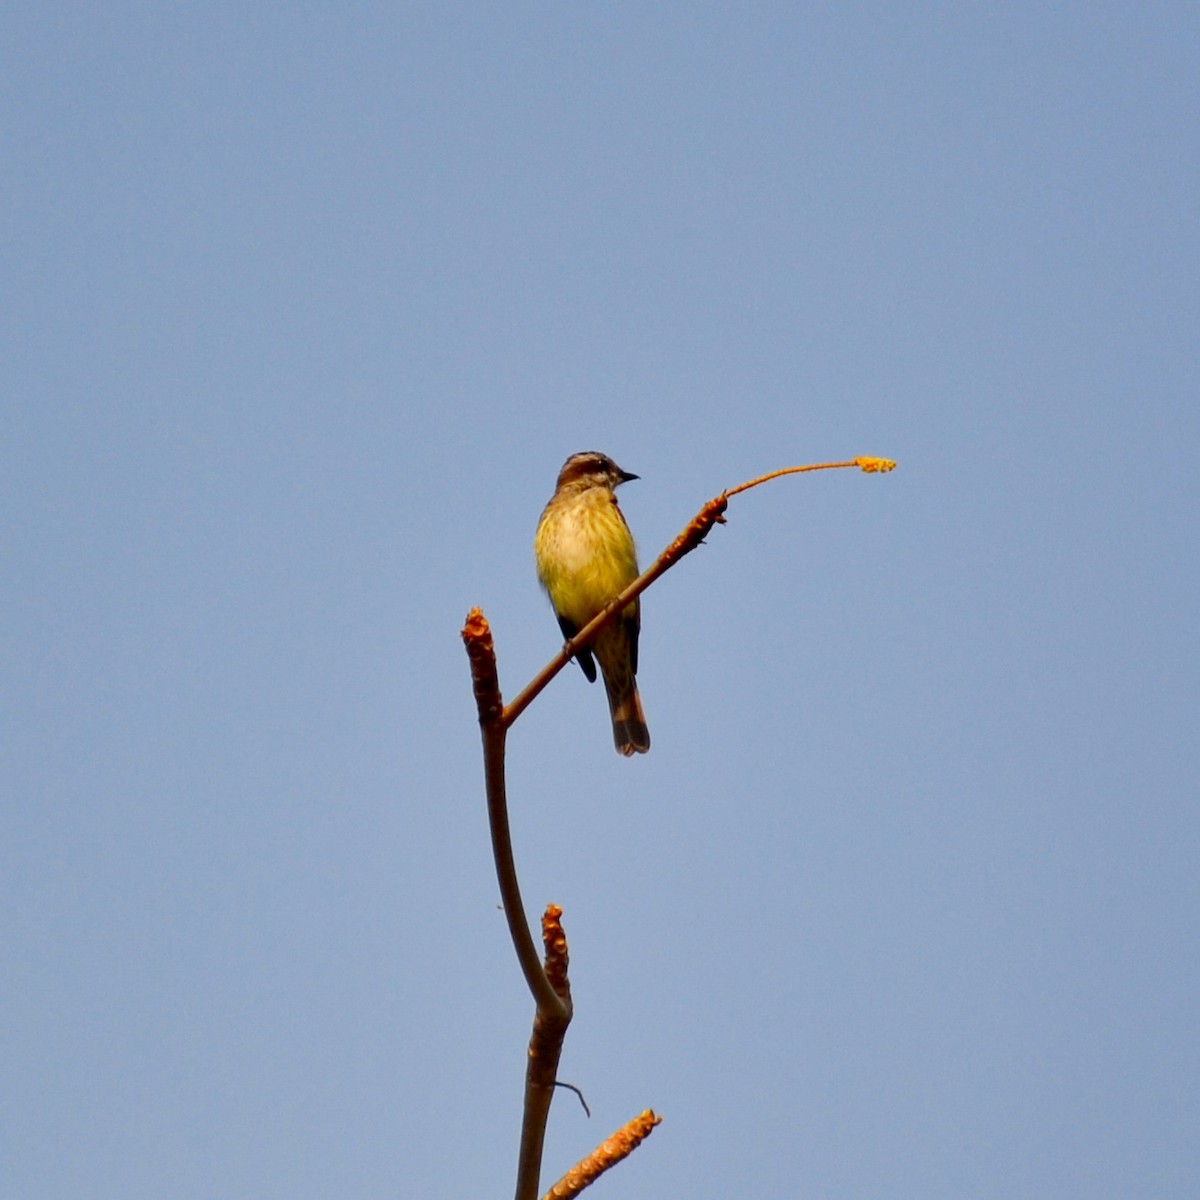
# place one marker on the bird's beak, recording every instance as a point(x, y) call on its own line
point(626, 476)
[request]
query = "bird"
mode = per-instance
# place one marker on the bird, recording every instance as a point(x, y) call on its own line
point(586, 557)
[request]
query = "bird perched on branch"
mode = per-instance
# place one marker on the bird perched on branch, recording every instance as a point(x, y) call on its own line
point(585, 558)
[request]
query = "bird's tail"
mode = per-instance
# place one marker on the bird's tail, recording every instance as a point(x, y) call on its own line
point(630, 734)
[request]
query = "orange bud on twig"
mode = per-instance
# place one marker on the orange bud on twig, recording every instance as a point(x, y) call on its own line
point(610, 1152)
point(555, 941)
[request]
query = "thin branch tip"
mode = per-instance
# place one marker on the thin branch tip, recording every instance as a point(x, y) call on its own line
point(864, 464)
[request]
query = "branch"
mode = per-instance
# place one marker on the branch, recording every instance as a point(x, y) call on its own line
point(477, 636)
point(713, 513)
point(548, 983)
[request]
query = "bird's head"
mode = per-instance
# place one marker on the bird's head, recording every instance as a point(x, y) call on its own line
point(591, 469)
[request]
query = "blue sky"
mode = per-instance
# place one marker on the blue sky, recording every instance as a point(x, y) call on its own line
point(303, 309)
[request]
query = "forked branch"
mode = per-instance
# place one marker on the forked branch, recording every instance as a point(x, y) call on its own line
point(548, 983)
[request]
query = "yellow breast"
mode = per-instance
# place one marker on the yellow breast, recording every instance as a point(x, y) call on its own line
point(585, 553)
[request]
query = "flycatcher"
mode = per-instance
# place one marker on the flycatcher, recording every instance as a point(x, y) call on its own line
point(585, 558)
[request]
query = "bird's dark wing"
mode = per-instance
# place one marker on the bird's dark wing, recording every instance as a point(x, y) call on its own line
point(583, 657)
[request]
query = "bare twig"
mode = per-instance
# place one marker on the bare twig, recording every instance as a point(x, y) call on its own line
point(578, 1091)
